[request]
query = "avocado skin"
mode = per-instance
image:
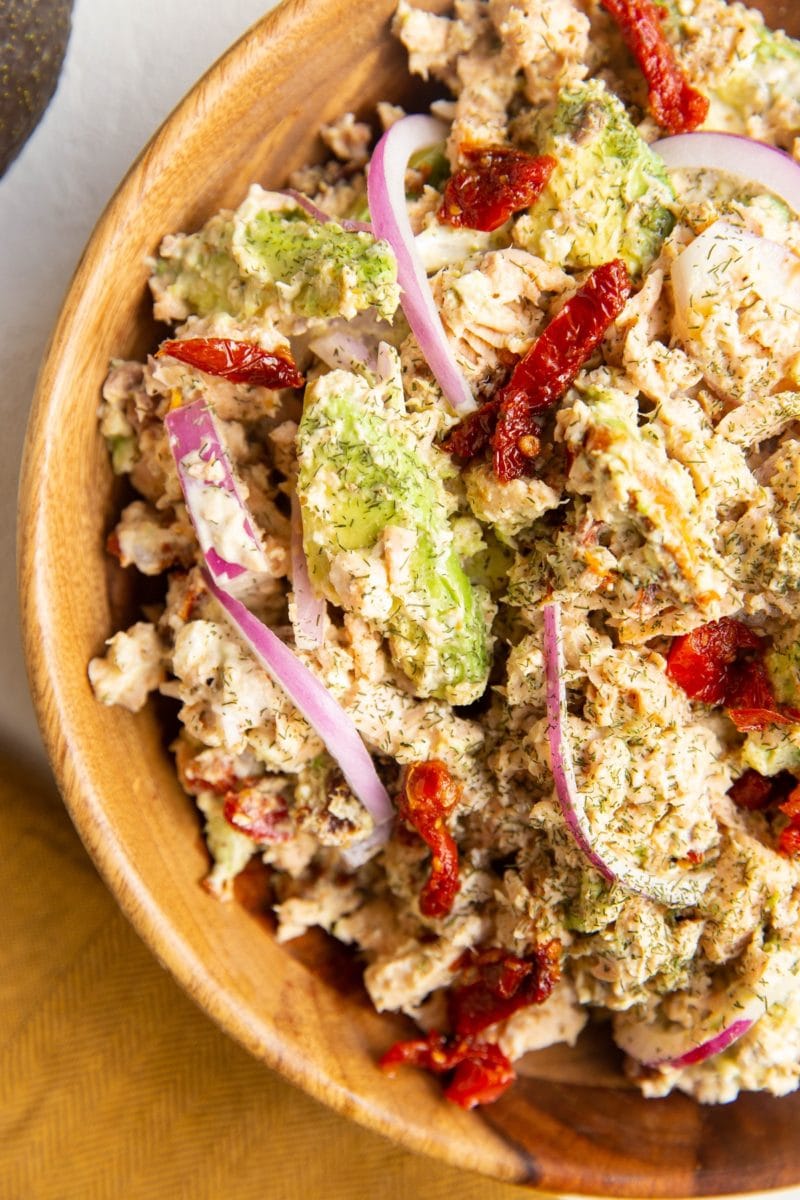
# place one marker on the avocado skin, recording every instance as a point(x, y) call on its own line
point(33, 41)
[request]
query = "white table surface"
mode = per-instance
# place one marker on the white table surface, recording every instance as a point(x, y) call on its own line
point(128, 64)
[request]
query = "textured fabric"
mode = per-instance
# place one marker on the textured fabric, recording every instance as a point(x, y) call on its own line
point(114, 1086)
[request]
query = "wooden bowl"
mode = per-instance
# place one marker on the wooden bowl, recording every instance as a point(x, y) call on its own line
point(570, 1124)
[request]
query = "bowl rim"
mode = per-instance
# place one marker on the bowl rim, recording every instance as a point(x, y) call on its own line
point(83, 800)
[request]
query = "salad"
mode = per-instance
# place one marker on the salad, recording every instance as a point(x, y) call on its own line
point(471, 462)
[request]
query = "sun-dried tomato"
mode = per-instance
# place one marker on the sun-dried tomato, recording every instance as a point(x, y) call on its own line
point(789, 838)
point(748, 719)
point(472, 435)
point(758, 793)
point(789, 841)
point(430, 1053)
point(261, 815)
point(481, 1078)
point(543, 374)
point(238, 362)
point(791, 805)
point(701, 662)
point(510, 420)
point(498, 984)
point(498, 182)
point(751, 791)
point(751, 701)
point(749, 686)
point(210, 770)
point(430, 792)
point(675, 104)
point(481, 1071)
point(722, 663)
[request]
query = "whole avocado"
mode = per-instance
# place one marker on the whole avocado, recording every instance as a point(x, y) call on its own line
point(32, 47)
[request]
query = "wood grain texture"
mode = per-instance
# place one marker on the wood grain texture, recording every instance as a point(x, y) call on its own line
point(569, 1125)
point(114, 1086)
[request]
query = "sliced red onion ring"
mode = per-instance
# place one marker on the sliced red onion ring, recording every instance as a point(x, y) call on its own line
point(675, 889)
point(342, 351)
point(642, 1048)
point(310, 608)
point(386, 194)
point(323, 217)
point(317, 705)
point(712, 263)
point(212, 496)
point(231, 550)
point(386, 363)
point(728, 1016)
point(773, 169)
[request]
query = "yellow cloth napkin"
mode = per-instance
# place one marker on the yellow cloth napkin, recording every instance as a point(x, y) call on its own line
point(114, 1086)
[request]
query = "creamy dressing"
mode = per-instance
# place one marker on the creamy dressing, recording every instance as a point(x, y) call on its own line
point(665, 497)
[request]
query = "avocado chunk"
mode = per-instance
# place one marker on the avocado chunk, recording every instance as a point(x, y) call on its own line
point(271, 255)
point(770, 75)
point(609, 194)
point(378, 539)
point(596, 905)
point(772, 750)
point(783, 665)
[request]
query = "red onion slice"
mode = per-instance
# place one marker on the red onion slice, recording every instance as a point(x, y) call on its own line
point(698, 1053)
point(207, 479)
point(317, 213)
point(310, 608)
point(317, 705)
point(386, 194)
point(342, 351)
point(728, 1016)
point(712, 263)
point(212, 496)
point(675, 889)
point(773, 169)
